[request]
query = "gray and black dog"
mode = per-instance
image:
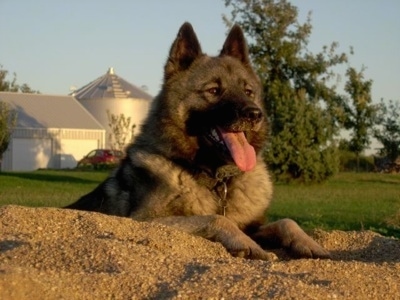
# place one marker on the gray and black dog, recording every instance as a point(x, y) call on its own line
point(197, 163)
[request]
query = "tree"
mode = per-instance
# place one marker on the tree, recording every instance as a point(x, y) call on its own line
point(8, 119)
point(360, 113)
point(388, 132)
point(302, 108)
point(122, 132)
point(8, 116)
point(11, 85)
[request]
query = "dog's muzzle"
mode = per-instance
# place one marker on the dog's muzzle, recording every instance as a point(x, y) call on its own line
point(252, 113)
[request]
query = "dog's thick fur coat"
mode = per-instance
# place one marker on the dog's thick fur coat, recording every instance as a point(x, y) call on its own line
point(197, 164)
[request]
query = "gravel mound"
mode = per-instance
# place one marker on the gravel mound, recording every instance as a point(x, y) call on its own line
point(49, 253)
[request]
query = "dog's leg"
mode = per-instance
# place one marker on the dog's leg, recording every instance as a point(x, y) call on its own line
point(289, 235)
point(219, 229)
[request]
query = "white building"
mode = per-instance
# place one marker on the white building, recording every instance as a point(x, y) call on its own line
point(51, 132)
point(114, 94)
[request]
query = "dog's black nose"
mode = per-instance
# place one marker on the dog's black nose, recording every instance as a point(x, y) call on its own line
point(253, 113)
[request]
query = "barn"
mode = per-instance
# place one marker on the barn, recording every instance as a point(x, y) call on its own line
point(51, 132)
point(112, 93)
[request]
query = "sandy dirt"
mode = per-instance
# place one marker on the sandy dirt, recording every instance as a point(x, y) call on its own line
point(48, 253)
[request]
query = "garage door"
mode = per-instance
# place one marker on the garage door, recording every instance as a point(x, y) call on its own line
point(73, 150)
point(30, 154)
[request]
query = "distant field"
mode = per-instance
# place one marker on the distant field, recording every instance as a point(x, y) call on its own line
point(348, 201)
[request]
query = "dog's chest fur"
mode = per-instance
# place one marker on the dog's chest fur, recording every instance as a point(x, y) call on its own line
point(248, 195)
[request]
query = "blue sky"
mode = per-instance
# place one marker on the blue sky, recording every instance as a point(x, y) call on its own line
point(53, 44)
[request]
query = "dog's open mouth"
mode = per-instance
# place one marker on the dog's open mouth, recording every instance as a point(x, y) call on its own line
point(236, 144)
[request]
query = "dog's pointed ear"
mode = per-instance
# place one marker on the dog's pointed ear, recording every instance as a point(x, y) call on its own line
point(236, 46)
point(185, 49)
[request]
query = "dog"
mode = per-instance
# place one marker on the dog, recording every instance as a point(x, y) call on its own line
point(197, 164)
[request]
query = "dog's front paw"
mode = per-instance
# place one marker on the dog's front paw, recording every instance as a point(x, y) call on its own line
point(299, 243)
point(303, 246)
point(237, 243)
point(292, 237)
point(247, 251)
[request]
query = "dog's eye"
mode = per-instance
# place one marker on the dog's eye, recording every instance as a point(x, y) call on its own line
point(249, 92)
point(214, 91)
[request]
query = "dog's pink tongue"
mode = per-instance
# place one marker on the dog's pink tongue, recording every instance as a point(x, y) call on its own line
point(242, 152)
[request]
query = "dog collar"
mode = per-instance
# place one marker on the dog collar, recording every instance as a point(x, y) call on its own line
point(225, 172)
point(222, 174)
point(218, 183)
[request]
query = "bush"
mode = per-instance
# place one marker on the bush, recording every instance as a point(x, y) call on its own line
point(348, 162)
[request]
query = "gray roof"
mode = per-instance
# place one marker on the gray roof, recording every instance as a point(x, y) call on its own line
point(47, 111)
point(110, 86)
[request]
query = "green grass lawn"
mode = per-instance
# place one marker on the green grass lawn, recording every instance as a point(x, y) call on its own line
point(47, 188)
point(348, 201)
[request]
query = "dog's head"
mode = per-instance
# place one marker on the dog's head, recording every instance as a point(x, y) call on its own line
point(216, 101)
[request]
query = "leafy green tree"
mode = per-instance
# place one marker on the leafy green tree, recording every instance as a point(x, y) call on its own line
point(8, 119)
point(388, 132)
point(360, 113)
point(7, 85)
point(300, 98)
point(122, 131)
point(8, 116)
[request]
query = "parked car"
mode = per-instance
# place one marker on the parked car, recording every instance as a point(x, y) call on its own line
point(100, 157)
